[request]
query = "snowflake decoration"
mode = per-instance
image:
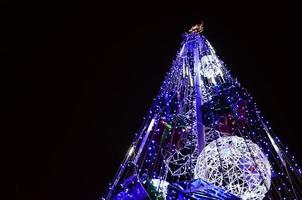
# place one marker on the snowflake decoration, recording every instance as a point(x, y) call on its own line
point(211, 68)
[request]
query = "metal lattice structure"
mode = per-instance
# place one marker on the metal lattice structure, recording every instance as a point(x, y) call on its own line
point(237, 165)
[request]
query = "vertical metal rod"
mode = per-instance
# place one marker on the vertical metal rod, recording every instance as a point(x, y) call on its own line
point(198, 93)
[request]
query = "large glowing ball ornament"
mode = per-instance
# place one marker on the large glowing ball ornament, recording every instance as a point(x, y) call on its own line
point(237, 165)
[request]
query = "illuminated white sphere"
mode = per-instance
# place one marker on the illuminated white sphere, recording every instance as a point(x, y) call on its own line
point(237, 165)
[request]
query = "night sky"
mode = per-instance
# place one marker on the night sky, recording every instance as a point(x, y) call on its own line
point(87, 73)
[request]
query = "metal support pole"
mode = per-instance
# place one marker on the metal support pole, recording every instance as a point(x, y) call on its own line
point(198, 93)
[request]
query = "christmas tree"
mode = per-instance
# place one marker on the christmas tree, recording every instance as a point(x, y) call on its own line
point(204, 138)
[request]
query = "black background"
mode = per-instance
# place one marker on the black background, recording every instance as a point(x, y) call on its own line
point(87, 73)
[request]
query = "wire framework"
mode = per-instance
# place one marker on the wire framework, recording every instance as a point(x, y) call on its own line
point(175, 145)
point(237, 165)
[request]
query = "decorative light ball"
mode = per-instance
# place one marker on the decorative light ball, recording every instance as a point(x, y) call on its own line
point(237, 165)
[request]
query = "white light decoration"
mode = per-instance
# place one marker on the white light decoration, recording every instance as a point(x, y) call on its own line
point(161, 186)
point(183, 160)
point(237, 165)
point(211, 68)
point(274, 145)
point(131, 150)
